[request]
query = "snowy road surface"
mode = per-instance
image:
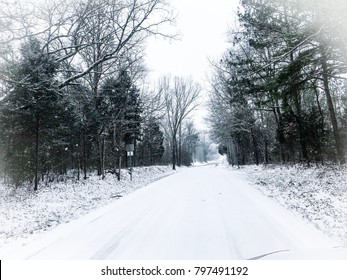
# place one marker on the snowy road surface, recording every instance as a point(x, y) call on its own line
point(198, 213)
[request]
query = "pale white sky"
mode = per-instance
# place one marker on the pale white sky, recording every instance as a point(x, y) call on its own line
point(203, 25)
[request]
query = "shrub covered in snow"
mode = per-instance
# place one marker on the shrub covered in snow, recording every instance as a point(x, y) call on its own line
point(24, 212)
point(318, 194)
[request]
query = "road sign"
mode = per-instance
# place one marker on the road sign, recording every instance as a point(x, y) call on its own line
point(129, 147)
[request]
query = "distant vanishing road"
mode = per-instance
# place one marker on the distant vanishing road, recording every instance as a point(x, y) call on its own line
point(198, 213)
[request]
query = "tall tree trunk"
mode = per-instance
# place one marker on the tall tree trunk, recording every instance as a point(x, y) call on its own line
point(84, 155)
point(174, 148)
point(119, 165)
point(266, 151)
point(278, 118)
point(298, 117)
point(37, 154)
point(295, 92)
point(337, 137)
point(103, 157)
point(99, 152)
point(179, 148)
point(255, 147)
point(321, 127)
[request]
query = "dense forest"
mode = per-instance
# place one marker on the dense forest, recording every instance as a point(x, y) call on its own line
point(74, 89)
point(74, 92)
point(279, 92)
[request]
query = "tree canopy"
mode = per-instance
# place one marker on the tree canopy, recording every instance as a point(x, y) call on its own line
point(276, 94)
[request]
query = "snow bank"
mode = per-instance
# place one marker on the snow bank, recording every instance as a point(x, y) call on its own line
point(317, 194)
point(25, 213)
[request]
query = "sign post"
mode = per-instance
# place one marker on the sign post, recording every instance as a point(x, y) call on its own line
point(130, 153)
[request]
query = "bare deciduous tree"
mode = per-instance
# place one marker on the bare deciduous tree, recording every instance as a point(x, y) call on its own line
point(180, 97)
point(67, 28)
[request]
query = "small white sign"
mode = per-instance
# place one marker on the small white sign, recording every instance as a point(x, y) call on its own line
point(129, 147)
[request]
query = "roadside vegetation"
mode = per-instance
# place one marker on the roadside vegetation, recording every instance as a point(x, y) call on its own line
point(279, 93)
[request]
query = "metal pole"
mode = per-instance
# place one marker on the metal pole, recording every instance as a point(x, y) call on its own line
point(131, 168)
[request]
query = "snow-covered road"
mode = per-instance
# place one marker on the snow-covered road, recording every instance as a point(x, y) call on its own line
point(199, 213)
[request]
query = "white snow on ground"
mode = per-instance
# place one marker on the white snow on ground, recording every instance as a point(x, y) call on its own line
point(317, 194)
point(205, 212)
point(199, 213)
point(25, 213)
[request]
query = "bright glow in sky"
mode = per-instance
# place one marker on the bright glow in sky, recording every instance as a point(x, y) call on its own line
point(203, 25)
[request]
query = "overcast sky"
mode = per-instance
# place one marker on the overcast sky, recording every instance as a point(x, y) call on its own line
point(203, 25)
